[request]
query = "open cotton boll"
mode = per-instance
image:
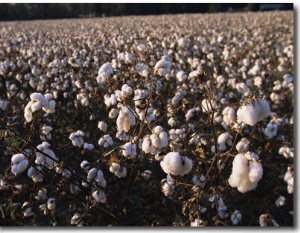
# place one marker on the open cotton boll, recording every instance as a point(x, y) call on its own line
point(28, 112)
point(240, 170)
point(99, 196)
point(256, 171)
point(289, 179)
point(167, 187)
point(251, 113)
point(106, 141)
point(17, 158)
point(208, 105)
point(51, 204)
point(181, 76)
point(88, 146)
point(236, 217)
point(229, 115)
point(175, 164)
point(287, 152)
point(102, 126)
point(129, 150)
point(126, 90)
point(125, 118)
point(242, 145)
point(100, 179)
point(223, 140)
point(163, 66)
point(104, 72)
point(19, 167)
point(271, 130)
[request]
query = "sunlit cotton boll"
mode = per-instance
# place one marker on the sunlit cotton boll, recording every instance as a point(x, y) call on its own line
point(229, 115)
point(198, 223)
point(175, 164)
point(287, 152)
point(19, 163)
point(242, 145)
point(167, 187)
point(104, 72)
point(224, 140)
point(251, 113)
point(125, 118)
point(280, 201)
point(76, 138)
point(129, 150)
point(245, 173)
point(181, 76)
point(163, 66)
point(271, 130)
point(209, 105)
point(102, 126)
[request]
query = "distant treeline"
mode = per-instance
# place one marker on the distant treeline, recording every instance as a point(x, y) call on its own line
point(30, 11)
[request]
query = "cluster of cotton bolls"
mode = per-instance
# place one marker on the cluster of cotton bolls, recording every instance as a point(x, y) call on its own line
point(173, 94)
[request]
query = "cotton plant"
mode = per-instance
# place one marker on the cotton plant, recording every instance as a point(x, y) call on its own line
point(77, 138)
point(246, 172)
point(155, 142)
point(37, 102)
point(175, 164)
point(19, 163)
point(251, 113)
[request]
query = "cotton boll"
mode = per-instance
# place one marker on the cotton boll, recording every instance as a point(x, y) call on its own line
point(17, 158)
point(271, 130)
point(125, 119)
point(113, 113)
point(253, 112)
point(229, 115)
point(175, 164)
point(19, 167)
point(240, 170)
point(106, 141)
point(42, 194)
point(208, 105)
point(99, 196)
point(121, 173)
point(102, 126)
point(163, 66)
point(104, 72)
point(287, 152)
point(267, 220)
point(181, 76)
point(242, 145)
point(289, 179)
point(100, 179)
point(198, 223)
point(147, 174)
point(92, 173)
point(280, 201)
point(51, 204)
point(129, 150)
point(256, 171)
point(236, 217)
point(85, 165)
point(114, 167)
point(223, 140)
point(167, 187)
point(28, 112)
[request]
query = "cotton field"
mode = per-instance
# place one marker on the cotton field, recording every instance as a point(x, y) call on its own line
point(171, 120)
